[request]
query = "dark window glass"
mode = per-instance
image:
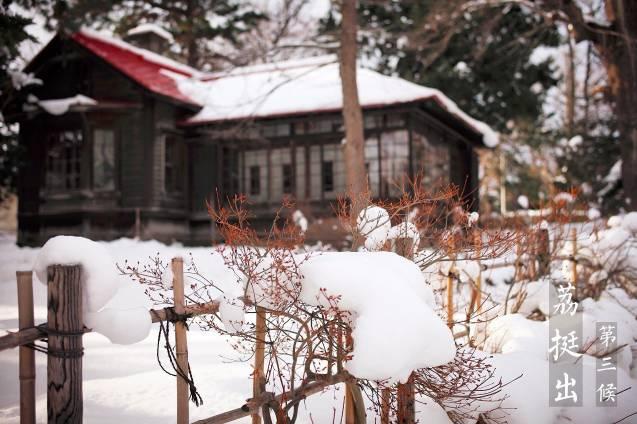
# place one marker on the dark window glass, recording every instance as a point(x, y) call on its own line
point(103, 159)
point(63, 168)
point(255, 180)
point(328, 176)
point(288, 179)
point(175, 156)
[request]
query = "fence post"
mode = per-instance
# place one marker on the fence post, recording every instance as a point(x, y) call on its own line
point(259, 360)
point(65, 326)
point(406, 396)
point(27, 355)
point(181, 342)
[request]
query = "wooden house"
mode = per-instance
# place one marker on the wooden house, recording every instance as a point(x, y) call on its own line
point(122, 141)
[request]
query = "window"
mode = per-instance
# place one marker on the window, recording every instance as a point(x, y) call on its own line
point(255, 180)
point(327, 175)
point(276, 130)
point(64, 157)
point(288, 178)
point(103, 159)
point(394, 162)
point(174, 158)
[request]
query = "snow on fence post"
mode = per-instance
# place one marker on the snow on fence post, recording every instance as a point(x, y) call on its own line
point(65, 329)
point(258, 382)
point(406, 393)
point(181, 343)
point(27, 355)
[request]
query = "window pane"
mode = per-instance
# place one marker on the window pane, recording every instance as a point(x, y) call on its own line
point(431, 159)
point(104, 159)
point(174, 158)
point(63, 160)
point(328, 176)
point(255, 180)
point(288, 178)
point(394, 162)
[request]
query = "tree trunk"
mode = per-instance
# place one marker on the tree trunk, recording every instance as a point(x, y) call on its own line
point(570, 88)
point(355, 173)
point(619, 54)
point(191, 37)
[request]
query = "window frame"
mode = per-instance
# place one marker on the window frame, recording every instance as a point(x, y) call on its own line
point(77, 160)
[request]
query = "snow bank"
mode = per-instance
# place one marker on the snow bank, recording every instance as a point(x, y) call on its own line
point(110, 307)
point(61, 106)
point(392, 311)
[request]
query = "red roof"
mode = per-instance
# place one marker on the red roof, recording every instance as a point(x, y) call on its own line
point(144, 67)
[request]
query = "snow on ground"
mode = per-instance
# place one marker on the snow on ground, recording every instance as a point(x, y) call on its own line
point(125, 384)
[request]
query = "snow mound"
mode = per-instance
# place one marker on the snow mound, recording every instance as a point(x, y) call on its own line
point(110, 306)
point(99, 276)
point(391, 308)
point(374, 224)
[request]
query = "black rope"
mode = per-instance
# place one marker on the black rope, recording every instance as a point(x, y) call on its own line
point(164, 330)
point(57, 353)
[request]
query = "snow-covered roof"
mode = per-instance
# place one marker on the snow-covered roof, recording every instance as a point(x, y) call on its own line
point(151, 28)
point(278, 89)
point(305, 86)
point(141, 65)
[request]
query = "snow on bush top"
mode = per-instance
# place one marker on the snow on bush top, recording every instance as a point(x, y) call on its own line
point(374, 224)
point(392, 311)
point(109, 306)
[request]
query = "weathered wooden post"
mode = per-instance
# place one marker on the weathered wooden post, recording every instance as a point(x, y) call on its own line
point(406, 396)
point(259, 359)
point(181, 342)
point(385, 405)
point(27, 355)
point(65, 328)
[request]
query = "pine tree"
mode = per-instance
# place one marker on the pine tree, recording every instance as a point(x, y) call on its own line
point(206, 32)
point(12, 34)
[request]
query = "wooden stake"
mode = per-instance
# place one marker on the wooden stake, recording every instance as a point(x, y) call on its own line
point(385, 404)
point(258, 381)
point(65, 324)
point(406, 393)
point(406, 402)
point(181, 341)
point(27, 356)
point(138, 223)
point(450, 296)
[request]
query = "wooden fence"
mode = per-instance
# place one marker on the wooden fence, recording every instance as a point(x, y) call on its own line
point(64, 329)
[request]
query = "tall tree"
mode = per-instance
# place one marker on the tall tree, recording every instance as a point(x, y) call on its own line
point(615, 38)
point(479, 58)
point(355, 173)
point(12, 34)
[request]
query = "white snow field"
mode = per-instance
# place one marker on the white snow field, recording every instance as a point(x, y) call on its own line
point(124, 384)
